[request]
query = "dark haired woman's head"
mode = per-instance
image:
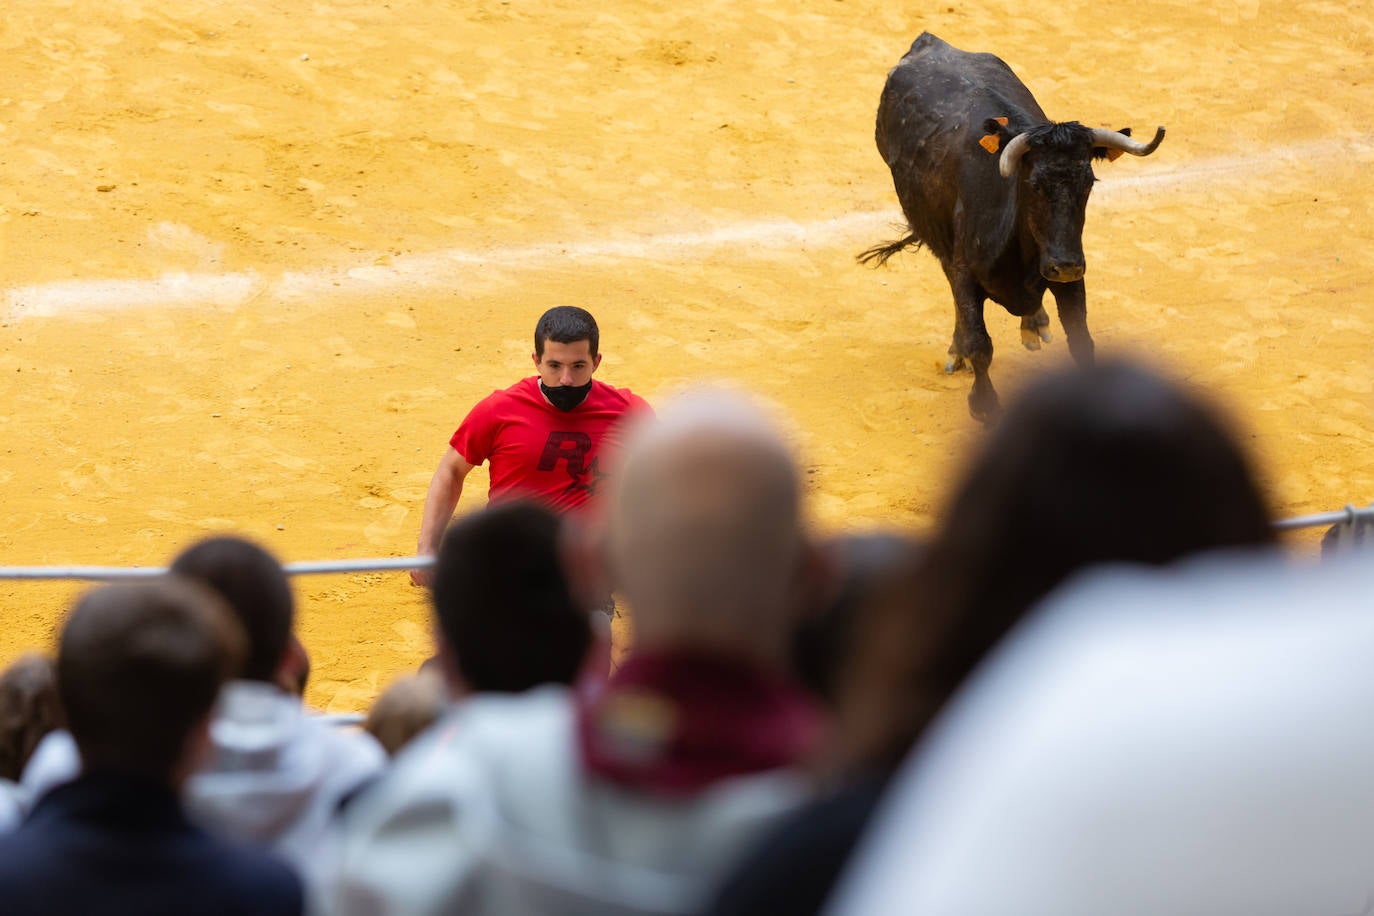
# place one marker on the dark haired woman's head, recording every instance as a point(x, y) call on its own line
point(1108, 464)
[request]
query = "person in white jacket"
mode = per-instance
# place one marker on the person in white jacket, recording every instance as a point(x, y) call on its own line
point(1185, 740)
point(629, 796)
point(276, 775)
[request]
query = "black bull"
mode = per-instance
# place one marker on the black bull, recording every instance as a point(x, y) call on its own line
point(996, 191)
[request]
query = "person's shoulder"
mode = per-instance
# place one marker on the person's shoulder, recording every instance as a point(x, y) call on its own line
point(525, 388)
point(436, 807)
point(497, 718)
point(499, 406)
point(14, 801)
point(262, 882)
point(22, 848)
point(482, 739)
point(493, 727)
point(356, 755)
point(623, 398)
point(31, 866)
point(54, 761)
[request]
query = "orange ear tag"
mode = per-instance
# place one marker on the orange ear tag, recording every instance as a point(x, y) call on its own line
point(990, 142)
point(1113, 155)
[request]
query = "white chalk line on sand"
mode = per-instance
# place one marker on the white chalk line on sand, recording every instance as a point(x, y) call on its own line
point(447, 269)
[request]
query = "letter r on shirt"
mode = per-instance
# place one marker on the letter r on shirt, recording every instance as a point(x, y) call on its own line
point(570, 447)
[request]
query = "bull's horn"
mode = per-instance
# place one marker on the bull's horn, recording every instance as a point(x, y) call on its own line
point(1011, 156)
point(1111, 139)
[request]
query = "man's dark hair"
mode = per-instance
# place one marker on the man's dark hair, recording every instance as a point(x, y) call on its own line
point(252, 581)
point(566, 324)
point(503, 604)
point(138, 667)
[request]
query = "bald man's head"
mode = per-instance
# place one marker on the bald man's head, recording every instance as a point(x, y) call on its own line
point(705, 537)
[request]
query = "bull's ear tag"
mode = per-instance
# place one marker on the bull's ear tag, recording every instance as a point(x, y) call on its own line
point(991, 143)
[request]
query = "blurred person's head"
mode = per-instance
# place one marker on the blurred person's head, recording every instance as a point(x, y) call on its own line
point(258, 592)
point(1113, 463)
point(406, 708)
point(863, 568)
point(704, 534)
point(29, 709)
point(139, 667)
point(293, 674)
point(507, 620)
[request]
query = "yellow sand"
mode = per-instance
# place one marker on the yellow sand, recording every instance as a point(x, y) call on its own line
point(341, 219)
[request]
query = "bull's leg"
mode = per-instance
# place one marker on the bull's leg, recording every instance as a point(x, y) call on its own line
point(972, 340)
point(1035, 328)
point(956, 356)
point(1072, 302)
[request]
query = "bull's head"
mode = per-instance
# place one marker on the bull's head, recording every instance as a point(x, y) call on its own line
point(1053, 163)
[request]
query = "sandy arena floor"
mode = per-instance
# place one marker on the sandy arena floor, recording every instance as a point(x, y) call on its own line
point(255, 265)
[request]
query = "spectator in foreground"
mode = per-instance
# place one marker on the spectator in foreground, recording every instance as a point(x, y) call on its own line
point(139, 667)
point(633, 797)
point(1190, 740)
point(505, 621)
point(275, 775)
point(505, 617)
point(1112, 464)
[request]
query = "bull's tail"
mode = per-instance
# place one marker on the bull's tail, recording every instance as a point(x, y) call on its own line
point(878, 255)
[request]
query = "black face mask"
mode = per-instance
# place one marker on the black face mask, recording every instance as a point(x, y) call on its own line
point(566, 397)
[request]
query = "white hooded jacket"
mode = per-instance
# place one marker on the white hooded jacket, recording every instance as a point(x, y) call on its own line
point(491, 812)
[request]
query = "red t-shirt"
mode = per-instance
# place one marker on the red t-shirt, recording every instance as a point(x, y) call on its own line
point(536, 450)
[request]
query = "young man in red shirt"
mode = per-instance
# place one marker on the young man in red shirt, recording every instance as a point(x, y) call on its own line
point(547, 437)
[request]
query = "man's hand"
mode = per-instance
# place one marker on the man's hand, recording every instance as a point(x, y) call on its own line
point(444, 491)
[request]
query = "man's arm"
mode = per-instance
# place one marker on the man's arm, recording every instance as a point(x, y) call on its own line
point(444, 490)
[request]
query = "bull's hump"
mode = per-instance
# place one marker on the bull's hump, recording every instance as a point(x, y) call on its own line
point(936, 48)
point(943, 79)
point(925, 42)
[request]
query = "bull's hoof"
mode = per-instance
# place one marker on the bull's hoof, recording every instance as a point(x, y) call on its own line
point(953, 364)
point(1034, 329)
point(1031, 337)
point(984, 410)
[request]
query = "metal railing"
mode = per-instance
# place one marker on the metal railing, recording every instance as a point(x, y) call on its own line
point(111, 573)
point(1351, 515)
